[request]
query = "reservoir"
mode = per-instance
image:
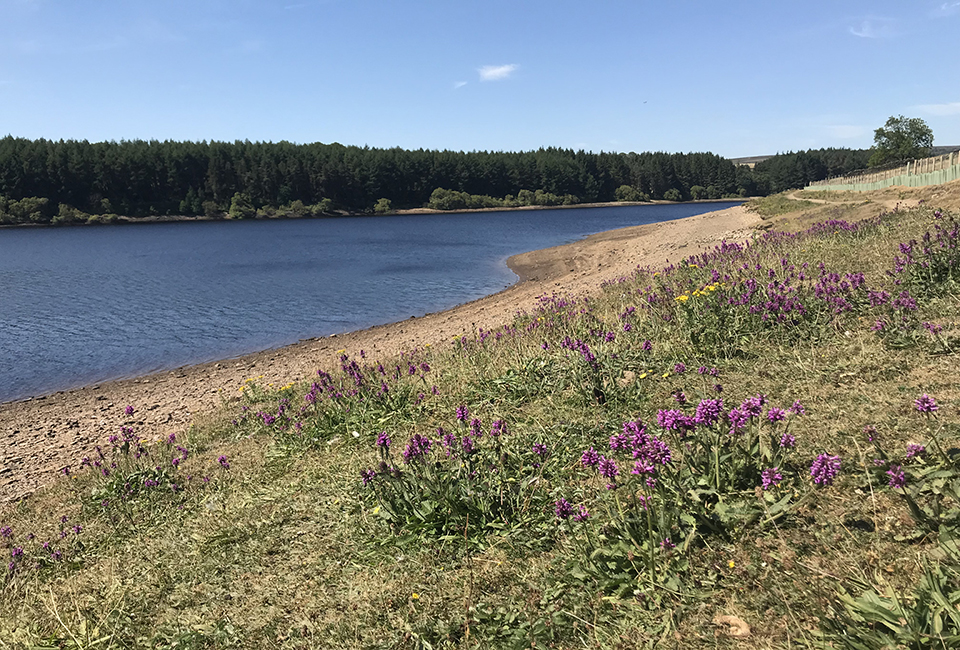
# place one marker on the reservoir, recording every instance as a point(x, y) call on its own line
point(83, 305)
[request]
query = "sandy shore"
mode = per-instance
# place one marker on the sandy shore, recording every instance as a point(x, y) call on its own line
point(44, 434)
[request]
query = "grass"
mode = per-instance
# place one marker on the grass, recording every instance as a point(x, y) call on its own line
point(776, 205)
point(545, 512)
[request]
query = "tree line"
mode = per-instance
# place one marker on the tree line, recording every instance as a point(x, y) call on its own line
point(46, 181)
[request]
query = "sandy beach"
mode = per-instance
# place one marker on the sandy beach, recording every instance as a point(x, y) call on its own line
point(44, 434)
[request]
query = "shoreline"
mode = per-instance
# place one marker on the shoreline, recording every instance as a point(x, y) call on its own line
point(45, 433)
point(173, 218)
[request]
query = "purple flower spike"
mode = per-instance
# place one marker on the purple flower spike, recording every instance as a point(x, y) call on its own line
point(582, 514)
point(925, 404)
point(562, 509)
point(417, 447)
point(775, 414)
point(608, 468)
point(367, 476)
point(770, 478)
point(898, 478)
point(383, 440)
point(128, 410)
point(915, 451)
point(787, 441)
point(824, 469)
point(462, 413)
point(590, 458)
point(224, 463)
point(708, 412)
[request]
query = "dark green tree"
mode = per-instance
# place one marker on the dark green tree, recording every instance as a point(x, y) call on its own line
point(901, 139)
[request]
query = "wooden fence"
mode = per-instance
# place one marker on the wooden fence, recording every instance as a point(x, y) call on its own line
point(918, 173)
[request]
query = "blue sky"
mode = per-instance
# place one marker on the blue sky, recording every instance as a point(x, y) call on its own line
point(737, 77)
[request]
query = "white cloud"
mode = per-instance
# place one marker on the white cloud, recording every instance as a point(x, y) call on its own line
point(950, 108)
point(874, 28)
point(497, 72)
point(948, 9)
point(459, 84)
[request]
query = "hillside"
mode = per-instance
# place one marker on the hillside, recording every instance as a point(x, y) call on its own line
point(752, 445)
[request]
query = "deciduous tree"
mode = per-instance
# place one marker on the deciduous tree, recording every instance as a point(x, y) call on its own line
point(901, 139)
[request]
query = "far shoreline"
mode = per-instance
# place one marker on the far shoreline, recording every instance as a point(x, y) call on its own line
point(125, 220)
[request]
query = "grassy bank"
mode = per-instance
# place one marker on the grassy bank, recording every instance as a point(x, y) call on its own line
point(754, 448)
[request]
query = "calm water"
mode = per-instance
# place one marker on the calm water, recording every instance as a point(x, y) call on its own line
point(83, 305)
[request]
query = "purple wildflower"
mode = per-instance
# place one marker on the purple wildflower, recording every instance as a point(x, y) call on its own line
point(582, 514)
point(770, 478)
point(647, 346)
point(667, 545)
point(753, 406)
point(898, 478)
point(619, 441)
point(499, 428)
point(224, 463)
point(680, 368)
point(870, 432)
point(925, 404)
point(643, 467)
point(448, 440)
point(540, 449)
point(383, 440)
point(608, 468)
point(367, 476)
point(775, 414)
point(738, 420)
point(787, 441)
point(128, 411)
point(708, 412)
point(417, 447)
point(462, 413)
point(590, 458)
point(824, 469)
point(915, 451)
point(562, 509)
